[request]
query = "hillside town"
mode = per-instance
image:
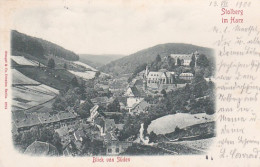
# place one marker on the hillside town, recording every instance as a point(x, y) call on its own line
point(64, 107)
point(94, 117)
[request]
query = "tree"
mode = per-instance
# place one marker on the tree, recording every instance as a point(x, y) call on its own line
point(202, 61)
point(158, 58)
point(177, 129)
point(27, 139)
point(179, 62)
point(17, 139)
point(65, 66)
point(74, 82)
point(35, 132)
point(46, 135)
point(152, 137)
point(210, 106)
point(91, 93)
point(199, 86)
point(193, 60)
point(59, 104)
point(114, 106)
point(56, 141)
point(164, 93)
point(51, 63)
point(97, 74)
point(171, 63)
point(84, 109)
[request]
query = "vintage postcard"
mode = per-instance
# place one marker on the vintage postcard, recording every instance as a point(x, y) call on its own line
point(129, 83)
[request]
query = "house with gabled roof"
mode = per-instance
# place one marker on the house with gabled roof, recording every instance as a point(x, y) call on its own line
point(113, 145)
point(133, 91)
point(25, 121)
point(139, 107)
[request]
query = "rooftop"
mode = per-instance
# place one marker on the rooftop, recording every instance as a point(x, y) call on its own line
point(63, 115)
point(110, 136)
point(41, 148)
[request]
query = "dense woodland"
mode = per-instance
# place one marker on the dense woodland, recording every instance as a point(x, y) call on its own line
point(129, 63)
point(37, 47)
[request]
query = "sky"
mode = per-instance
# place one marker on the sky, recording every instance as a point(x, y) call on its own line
point(99, 27)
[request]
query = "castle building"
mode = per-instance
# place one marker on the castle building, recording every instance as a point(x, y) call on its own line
point(156, 79)
point(161, 77)
point(185, 58)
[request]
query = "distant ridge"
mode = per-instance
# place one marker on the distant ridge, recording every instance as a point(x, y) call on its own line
point(129, 63)
point(98, 60)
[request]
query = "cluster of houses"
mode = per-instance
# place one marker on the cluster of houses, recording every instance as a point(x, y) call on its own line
point(26, 120)
point(108, 130)
point(73, 130)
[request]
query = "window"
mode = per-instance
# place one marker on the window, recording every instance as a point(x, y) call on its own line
point(117, 150)
point(109, 150)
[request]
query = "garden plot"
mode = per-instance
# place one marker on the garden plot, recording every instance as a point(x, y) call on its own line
point(20, 79)
point(23, 61)
point(50, 89)
point(43, 89)
point(28, 96)
point(85, 75)
point(168, 123)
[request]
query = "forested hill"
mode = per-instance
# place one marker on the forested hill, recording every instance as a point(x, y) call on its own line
point(129, 63)
point(24, 44)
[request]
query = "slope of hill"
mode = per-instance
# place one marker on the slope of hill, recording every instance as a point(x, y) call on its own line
point(25, 44)
point(27, 93)
point(129, 63)
point(98, 60)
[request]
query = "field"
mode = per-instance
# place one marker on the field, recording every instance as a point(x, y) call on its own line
point(58, 78)
point(25, 97)
point(20, 79)
point(195, 139)
point(84, 75)
point(85, 65)
point(194, 132)
point(23, 61)
point(27, 93)
point(167, 124)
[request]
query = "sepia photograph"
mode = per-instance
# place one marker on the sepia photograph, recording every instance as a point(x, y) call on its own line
point(112, 80)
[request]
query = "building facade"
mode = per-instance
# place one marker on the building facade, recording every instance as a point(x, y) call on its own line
point(185, 59)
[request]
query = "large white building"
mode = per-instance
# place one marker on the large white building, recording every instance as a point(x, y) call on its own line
point(159, 77)
point(186, 76)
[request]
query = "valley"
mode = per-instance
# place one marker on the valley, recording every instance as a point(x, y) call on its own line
point(80, 110)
